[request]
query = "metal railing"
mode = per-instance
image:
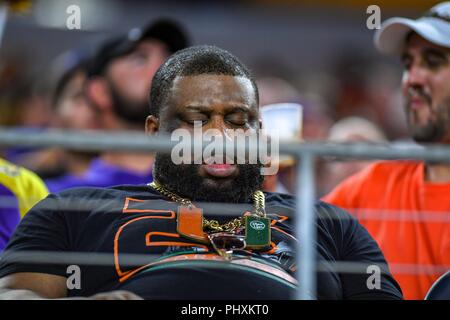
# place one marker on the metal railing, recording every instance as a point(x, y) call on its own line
point(307, 153)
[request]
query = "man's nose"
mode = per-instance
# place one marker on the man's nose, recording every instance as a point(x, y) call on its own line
point(415, 77)
point(218, 123)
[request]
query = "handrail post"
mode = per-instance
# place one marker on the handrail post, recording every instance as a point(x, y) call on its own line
point(305, 227)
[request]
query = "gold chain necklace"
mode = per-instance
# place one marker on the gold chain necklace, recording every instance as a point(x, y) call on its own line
point(214, 225)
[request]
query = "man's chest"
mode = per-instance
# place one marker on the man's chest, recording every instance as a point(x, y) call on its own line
point(149, 228)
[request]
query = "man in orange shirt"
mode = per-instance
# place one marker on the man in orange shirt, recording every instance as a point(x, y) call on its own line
point(405, 205)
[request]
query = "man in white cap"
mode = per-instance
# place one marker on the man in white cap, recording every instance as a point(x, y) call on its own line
point(411, 198)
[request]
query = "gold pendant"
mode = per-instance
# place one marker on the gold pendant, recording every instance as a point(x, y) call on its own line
point(257, 232)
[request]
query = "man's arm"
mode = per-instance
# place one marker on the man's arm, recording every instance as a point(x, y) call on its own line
point(38, 286)
point(30, 285)
point(370, 278)
point(374, 280)
point(45, 228)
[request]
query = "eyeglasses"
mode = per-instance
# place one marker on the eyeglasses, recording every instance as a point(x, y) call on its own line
point(225, 243)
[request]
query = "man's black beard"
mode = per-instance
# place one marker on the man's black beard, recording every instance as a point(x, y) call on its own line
point(427, 134)
point(130, 111)
point(185, 181)
point(435, 130)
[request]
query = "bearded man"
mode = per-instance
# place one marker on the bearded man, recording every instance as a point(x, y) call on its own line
point(202, 251)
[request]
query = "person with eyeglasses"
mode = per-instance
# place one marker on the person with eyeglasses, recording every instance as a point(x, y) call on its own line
point(203, 230)
point(411, 197)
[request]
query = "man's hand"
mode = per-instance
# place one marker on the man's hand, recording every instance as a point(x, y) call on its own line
point(116, 295)
point(29, 285)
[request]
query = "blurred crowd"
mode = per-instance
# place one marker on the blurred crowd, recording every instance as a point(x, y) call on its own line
point(354, 87)
point(106, 87)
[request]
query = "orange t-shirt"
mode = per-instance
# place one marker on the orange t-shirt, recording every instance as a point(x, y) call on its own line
point(408, 217)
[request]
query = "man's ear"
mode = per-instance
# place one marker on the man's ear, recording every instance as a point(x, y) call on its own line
point(151, 125)
point(98, 92)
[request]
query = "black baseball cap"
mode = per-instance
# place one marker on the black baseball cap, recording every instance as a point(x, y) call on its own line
point(167, 31)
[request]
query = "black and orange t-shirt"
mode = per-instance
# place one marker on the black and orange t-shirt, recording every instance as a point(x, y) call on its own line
point(407, 216)
point(125, 220)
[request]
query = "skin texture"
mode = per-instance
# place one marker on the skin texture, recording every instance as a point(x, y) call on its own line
point(132, 74)
point(38, 286)
point(426, 89)
point(121, 94)
point(30, 285)
point(218, 102)
point(73, 110)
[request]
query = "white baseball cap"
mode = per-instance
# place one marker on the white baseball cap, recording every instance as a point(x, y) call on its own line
point(434, 26)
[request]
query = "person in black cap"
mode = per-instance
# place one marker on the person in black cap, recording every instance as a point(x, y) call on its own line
point(118, 81)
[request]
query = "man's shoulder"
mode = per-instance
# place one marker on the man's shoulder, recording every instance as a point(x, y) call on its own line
point(107, 192)
point(393, 167)
point(328, 211)
point(279, 198)
point(378, 173)
point(82, 201)
point(323, 209)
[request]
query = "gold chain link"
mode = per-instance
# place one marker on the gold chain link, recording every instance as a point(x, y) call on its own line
point(214, 225)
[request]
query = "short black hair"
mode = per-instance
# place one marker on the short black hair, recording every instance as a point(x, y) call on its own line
point(196, 60)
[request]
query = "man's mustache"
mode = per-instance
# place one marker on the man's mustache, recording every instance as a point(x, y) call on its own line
point(418, 92)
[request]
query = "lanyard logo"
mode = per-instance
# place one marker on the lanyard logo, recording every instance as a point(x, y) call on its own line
point(257, 225)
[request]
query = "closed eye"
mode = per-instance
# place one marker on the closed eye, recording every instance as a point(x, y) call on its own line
point(193, 117)
point(237, 119)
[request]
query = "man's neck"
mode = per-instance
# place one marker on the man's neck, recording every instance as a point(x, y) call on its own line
point(437, 173)
point(136, 162)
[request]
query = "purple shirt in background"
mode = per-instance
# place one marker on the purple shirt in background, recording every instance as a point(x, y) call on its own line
point(9, 215)
point(99, 174)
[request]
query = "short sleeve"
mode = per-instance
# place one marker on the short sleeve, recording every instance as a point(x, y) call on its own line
point(44, 228)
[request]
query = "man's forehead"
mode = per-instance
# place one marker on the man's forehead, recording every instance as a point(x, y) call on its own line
point(415, 41)
point(210, 85)
point(207, 79)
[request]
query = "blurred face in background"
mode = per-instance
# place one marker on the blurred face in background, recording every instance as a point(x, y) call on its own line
point(129, 78)
point(72, 108)
point(426, 88)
